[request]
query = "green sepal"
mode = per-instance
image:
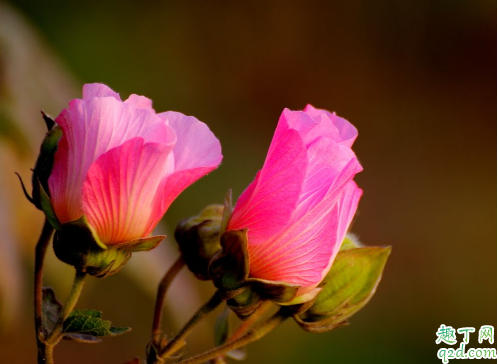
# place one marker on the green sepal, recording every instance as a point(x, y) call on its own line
point(227, 212)
point(278, 292)
point(349, 285)
point(46, 207)
point(76, 244)
point(90, 323)
point(229, 268)
point(350, 242)
point(198, 238)
point(142, 244)
point(45, 162)
point(245, 302)
point(51, 308)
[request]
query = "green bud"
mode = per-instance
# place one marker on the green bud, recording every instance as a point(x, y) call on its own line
point(349, 285)
point(198, 238)
point(45, 162)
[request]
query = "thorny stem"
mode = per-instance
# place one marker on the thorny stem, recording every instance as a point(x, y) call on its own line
point(178, 341)
point(160, 297)
point(255, 334)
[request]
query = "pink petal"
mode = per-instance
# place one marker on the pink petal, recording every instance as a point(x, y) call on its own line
point(267, 204)
point(98, 90)
point(197, 152)
point(329, 165)
point(141, 102)
point(347, 205)
point(196, 145)
point(92, 127)
point(346, 131)
point(304, 250)
point(123, 190)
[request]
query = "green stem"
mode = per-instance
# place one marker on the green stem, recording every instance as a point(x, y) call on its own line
point(255, 334)
point(40, 250)
point(55, 336)
point(160, 297)
point(178, 341)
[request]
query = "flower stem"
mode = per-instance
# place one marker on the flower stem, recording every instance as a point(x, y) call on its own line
point(178, 341)
point(40, 250)
point(55, 336)
point(160, 297)
point(255, 334)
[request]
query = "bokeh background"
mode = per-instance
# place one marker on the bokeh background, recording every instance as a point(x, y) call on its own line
point(417, 78)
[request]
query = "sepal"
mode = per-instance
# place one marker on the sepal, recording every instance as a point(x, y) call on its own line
point(347, 288)
point(198, 238)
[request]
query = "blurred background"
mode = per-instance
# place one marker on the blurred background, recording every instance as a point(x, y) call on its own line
point(418, 80)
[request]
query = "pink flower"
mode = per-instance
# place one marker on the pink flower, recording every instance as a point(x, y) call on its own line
point(121, 165)
point(298, 208)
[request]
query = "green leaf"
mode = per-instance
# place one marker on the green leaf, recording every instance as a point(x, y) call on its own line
point(82, 338)
point(89, 322)
point(51, 308)
point(222, 327)
point(228, 209)
point(349, 285)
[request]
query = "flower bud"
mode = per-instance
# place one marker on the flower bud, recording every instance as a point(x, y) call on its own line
point(198, 238)
point(349, 285)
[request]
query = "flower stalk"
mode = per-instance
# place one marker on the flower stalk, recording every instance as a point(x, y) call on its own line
point(253, 335)
point(160, 297)
point(178, 341)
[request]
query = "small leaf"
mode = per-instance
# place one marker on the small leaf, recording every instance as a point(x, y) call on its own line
point(228, 209)
point(89, 322)
point(142, 244)
point(222, 327)
point(82, 338)
point(51, 308)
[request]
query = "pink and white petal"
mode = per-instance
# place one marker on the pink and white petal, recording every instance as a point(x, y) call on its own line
point(178, 181)
point(301, 254)
point(98, 90)
point(92, 127)
point(196, 145)
point(347, 206)
point(329, 165)
point(347, 132)
point(141, 102)
point(123, 190)
point(267, 204)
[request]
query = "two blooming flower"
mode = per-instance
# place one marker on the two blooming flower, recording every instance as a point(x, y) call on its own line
point(119, 165)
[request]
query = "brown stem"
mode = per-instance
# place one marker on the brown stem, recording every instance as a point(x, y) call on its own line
point(160, 297)
point(253, 335)
point(178, 341)
point(40, 250)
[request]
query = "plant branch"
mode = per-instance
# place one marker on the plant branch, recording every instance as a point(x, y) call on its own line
point(178, 341)
point(160, 297)
point(255, 334)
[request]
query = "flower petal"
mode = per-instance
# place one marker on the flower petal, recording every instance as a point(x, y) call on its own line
point(196, 145)
point(92, 127)
point(141, 102)
point(346, 131)
point(123, 190)
point(267, 204)
point(98, 90)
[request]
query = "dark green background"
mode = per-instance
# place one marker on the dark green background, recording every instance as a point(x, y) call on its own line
point(418, 80)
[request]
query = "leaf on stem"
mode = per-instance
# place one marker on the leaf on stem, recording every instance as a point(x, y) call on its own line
point(85, 325)
point(51, 308)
